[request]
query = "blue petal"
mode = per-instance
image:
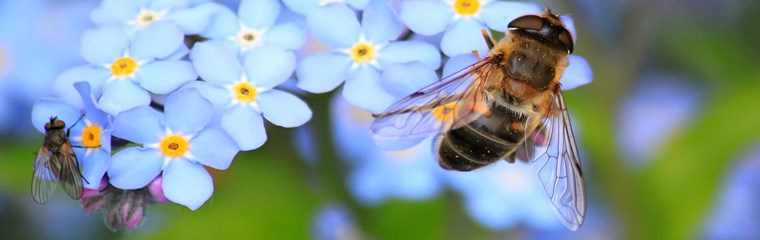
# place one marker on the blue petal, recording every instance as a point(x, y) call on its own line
point(187, 112)
point(134, 167)
point(122, 94)
point(223, 23)
point(258, 14)
point(162, 77)
point(213, 148)
point(498, 14)
point(365, 90)
point(283, 109)
point(141, 125)
point(114, 11)
point(334, 25)
point(157, 40)
point(91, 111)
point(245, 126)
point(181, 52)
point(104, 44)
point(357, 4)
point(457, 63)
point(63, 84)
point(219, 97)
point(269, 67)
point(426, 17)
point(166, 4)
point(322, 72)
point(194, 20)
point(94, 166)
point(578, 73)
point(379, 22)
point(402, 79)
point(408, 51)
point(44, 109)
point(462, 37)
point(187, 183)
point(289, 35)
point(216, 63)
point(301, 6)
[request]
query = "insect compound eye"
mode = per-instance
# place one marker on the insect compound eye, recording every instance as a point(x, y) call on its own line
point(566, 39)
point(528, 22)
point(59, 124)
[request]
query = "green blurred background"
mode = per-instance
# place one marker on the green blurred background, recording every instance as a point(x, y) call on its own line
point(671, 188)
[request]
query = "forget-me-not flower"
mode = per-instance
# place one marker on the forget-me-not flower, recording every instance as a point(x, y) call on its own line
point(178, 142)
point(361, 53)
point(137, 15)
point(129, 70)
point(242, 93)
point(256, 26)
point(303, 6)
point(462, 20)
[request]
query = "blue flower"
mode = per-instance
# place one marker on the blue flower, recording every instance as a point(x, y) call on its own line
point(461, 20)
point(334, 222)
point(671, 99)
point(503, 195)
point(360, 55)
point(178, 142)
point(376, 174)
point(128, 70)
point(137, 15)
point(91, 136)
point(256, 26)
point(242, 93)
point(303, 6)
point(736, 212)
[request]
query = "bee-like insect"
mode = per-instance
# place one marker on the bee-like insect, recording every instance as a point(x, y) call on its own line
point(56, 163)
point(508, 105)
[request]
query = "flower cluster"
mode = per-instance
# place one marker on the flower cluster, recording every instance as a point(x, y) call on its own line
point(170, 88)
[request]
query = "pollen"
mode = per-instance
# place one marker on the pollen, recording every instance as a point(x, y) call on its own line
point(363, 52)
point(146, 17)
point(244, 92)
point(123, 67)
point(174, 146)
point(445, 113)
point(91, 136)
point(466, 7)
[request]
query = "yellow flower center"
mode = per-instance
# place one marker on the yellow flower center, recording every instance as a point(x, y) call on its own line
point(146, 17)
point(446, 112)
point(123, 67)
point(174, 146)
point(244, 92)
point(466, 7)
point(362, 52)
point(91, 136)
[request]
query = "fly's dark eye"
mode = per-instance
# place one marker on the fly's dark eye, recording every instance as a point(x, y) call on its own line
point(528, 22)
point(566, 39)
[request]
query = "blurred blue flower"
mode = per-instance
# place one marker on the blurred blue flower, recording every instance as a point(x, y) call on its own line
point(124, 72)
point(38, 39)
point(334, 222)
point(256, 26)
point(178, 142)
point(376, 174)
point(303, 6)
point(461, 20)
point(91, 136)
point(133, 16)
point(672, 100)
point(502, 195)
point(360, 54)
point(242, 93)
point(736, 212)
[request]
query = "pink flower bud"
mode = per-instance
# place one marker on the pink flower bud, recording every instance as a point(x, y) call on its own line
point(157, 190)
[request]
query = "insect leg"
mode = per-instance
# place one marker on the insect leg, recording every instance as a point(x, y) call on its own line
point(489, 40)
point(72, 125)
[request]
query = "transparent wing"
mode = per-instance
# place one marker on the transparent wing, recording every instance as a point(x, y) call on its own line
point(559, 167)
point(452, 102)
point(43, 179)
point(70, 177)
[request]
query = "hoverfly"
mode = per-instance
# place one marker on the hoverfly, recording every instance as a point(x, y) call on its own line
point(508, 105)
point(56, 163)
